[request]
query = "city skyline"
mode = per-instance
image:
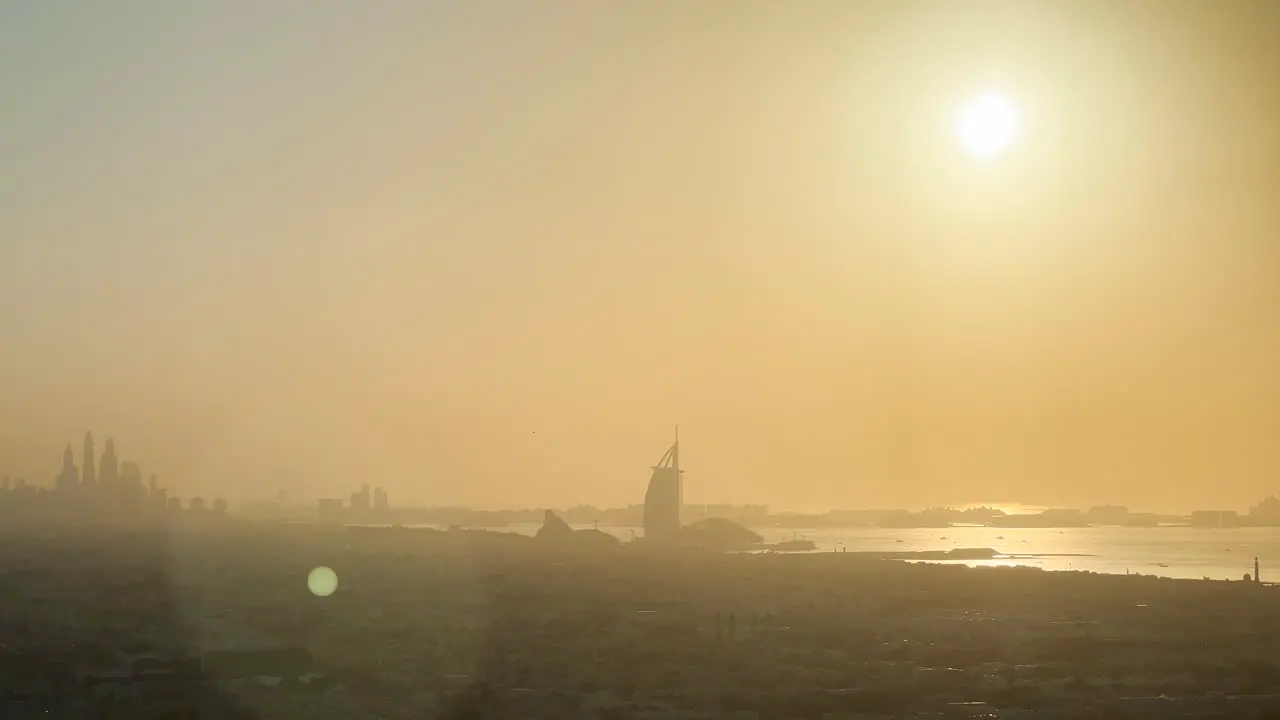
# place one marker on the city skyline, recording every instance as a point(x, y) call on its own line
point(99, 488)
point(663, 500)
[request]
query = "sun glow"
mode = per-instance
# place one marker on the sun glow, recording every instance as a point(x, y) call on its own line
point(322, 582)
point(988, 125)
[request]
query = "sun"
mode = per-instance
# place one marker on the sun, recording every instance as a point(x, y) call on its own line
point(988, 125)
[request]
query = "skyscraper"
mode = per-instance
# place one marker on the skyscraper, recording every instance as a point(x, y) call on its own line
point(360, 500)
point(664, 499)
point(131, 476)
point(109, 469)
point(88, 474)
point(69, 477)
point(129, 490)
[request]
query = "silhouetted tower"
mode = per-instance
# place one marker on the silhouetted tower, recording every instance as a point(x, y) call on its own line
point(664, 499)
point(157, 497)
point(131, 491)
point(360, 500)
point(131, 474)
point(109, 468)
point(69, 477)
point(89, 474)
point(1257, 577)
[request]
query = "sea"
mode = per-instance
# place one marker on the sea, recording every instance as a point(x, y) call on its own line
point(1167, 551)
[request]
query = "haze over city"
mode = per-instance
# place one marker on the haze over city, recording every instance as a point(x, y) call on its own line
point(489, 253)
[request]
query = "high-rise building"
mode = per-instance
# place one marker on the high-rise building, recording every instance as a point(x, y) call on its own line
point(131, 476)
point(109, 469)
point(89, 474)
point(330, 509)
point(664, 499)
point(129, 491)
point(69, 477)
point(360, 500)
point(157, 497)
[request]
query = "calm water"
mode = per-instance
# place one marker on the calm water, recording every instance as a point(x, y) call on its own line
point(1184, 552)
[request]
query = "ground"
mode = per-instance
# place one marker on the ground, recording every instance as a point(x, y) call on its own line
point(427, 624)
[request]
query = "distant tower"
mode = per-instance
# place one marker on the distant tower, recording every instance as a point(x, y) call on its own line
point(131, 476)
point(664, 498)
point(1257, 576)
point(109, 468)
point(89, 474)
point(130, 490)
point(69, 477)
point(360, 500)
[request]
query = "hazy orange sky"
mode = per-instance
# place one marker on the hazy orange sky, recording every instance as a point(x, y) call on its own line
point(491, 252)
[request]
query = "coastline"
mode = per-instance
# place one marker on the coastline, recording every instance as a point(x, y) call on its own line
point(424, 620)
point(1174, 552)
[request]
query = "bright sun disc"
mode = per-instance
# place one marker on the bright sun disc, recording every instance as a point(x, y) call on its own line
point(988, 125)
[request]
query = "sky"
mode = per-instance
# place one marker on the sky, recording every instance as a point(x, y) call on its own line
point(491, 252)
